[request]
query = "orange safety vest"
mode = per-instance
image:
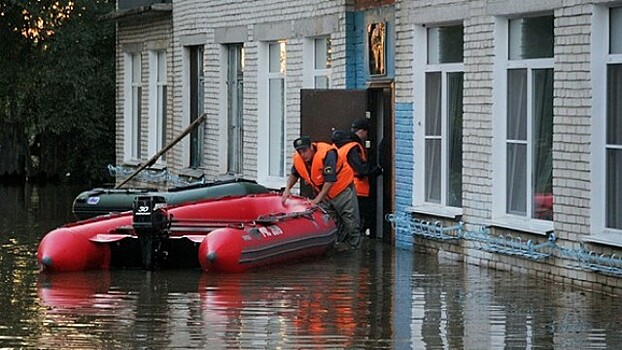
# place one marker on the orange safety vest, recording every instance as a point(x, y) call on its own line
point(345, 175)
point(361, 183)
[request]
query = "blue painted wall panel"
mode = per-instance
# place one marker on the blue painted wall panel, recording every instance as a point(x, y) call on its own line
point(404, 168)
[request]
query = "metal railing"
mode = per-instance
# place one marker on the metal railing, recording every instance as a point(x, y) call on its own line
point(508, 244)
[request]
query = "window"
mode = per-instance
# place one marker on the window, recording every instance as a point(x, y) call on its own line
point(613, 146)
point(322, 62)
point(235, 107)
point(197, 81)
point(443, 116)
point(133, 110)
point(157, 98)
point(529, 118)
point(276, 109)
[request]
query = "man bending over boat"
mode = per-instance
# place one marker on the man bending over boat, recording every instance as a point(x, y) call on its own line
point(320, 165)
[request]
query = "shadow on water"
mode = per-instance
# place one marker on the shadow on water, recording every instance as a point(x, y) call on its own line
point(377, 297)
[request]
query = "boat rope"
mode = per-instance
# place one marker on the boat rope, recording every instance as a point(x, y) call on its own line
point(482, 239)
point(152, 176)
point(262, 220)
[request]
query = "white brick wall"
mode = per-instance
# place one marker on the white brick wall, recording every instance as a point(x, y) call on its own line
point(136, 36)
point(573, 119)
point(204, 16)
point(295, 19)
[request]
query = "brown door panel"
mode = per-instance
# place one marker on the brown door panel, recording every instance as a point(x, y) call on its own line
point(323, 111)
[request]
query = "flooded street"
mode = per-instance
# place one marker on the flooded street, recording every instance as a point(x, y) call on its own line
point(375, 298)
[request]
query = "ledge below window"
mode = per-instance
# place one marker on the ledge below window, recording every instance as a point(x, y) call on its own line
point(538, 227)
point(191, 173)
point(605, 238)
point(436, 210)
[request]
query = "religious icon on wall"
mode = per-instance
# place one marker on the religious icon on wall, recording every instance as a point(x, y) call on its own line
point(376, 34)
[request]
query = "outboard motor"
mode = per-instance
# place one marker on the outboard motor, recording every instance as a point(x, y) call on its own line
point(151, 224)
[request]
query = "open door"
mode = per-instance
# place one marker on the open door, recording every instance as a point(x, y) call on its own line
point(323, 111)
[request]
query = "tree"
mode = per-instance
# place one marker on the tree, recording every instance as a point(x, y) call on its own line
point(57, 89)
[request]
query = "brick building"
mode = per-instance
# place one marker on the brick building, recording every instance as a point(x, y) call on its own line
point(500, 118)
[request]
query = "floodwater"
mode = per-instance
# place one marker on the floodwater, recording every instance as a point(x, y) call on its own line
point(376, 298)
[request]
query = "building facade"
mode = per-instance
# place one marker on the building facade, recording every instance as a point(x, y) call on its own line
point(499, 119)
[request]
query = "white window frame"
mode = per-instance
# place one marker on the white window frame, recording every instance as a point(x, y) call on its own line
point(420, 69)
point(263, 143)
point(224, 123)
point(310, 73)
point(157, 95)
point(600, 59)
point(502, 64)
point(186, 80)
point(131, 146)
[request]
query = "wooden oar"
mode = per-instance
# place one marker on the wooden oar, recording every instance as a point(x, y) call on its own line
point(153, 159)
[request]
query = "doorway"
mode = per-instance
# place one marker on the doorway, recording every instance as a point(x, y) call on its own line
point(325, 110)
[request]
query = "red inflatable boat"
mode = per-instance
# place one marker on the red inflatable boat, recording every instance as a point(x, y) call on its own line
point(230, 234)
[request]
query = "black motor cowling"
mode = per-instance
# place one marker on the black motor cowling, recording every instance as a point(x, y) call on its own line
point(151, 222)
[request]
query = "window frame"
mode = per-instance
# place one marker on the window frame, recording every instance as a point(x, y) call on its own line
point(601, 59)
point(189, 51)
point(263, 99)
point(502, 65)
point(421, 68)
point(158, 103)
point(310, 73)
point(132, 108)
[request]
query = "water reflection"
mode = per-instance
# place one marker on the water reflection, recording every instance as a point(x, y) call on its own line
point(376, 298)
point(319, 304)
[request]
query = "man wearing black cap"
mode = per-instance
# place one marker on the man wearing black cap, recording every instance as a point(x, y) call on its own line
point(319, 164)
point(352, 147)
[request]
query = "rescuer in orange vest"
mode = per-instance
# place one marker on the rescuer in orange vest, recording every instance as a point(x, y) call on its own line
point(351, 146)
point(331, 179)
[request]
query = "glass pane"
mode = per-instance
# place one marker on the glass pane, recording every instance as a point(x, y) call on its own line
point(531, 38)
point(614, 189)
point(445, 45)
point(614, 105)
point(433, 170)
point(433, 104)
point(162, 99)
point(197, 96)
point(615, 30)
point(276, 126)
point(136, 68)
point(542, 144)
point(516, 179)
point(321, 82)
point(517, 105)
point(277, 58)
point(454, 138)
point(321, 57)
point(433, 46)
point(136, 123)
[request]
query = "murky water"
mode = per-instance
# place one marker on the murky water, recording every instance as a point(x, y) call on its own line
point(375, 298)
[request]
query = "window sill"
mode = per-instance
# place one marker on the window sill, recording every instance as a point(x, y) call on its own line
point(132, 162)
point(191, 172)
point(157, 166)
point(605, 238)
point(436, 210)
point(538, 227)
point(138, 163)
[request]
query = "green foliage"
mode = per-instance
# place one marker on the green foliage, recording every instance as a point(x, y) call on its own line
point(58, 85)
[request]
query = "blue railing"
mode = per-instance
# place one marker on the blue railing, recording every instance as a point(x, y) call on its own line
point(151, 176)
point(507, 244)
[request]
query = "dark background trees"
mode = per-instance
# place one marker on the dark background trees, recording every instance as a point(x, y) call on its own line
point(56, 90)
